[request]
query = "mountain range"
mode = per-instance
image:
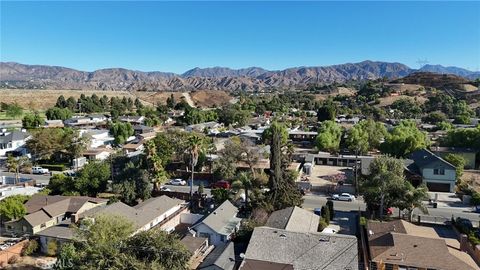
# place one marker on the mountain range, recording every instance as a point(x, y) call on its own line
point(16, 75)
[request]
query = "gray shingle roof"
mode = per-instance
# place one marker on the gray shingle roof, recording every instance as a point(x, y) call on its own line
point(13, 136)
point(301, 250)
point(224, 257)
point(294, 219)
point(424, 157)
point(223, 220)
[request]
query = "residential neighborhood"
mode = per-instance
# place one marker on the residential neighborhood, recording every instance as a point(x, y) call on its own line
point(248, 135)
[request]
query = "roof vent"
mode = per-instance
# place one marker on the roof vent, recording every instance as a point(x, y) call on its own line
point(283, 236)
point(415, 245)
point(215, 212)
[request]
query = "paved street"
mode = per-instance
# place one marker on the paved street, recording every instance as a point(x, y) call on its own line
point(312, 201)
point(187, 189)
point(40, 179)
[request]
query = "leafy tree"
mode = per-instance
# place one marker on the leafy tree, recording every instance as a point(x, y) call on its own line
point(12, 207)
point(93, 178)
point(406, 108)
point(463, 137)
point(220, 195)
point(61, 184)
point(121, 132)
point(46, 142)
point(61, 102)
point(440, 102)
point(404, 139)
point(331, 210)
point(458, 162)
point(233, 115)
point(14, 110)
point(160, 248)
point(75, 144)
point(56, 113)
point(171, 102)
point(30, 121)
point(71, 104)
point(327, 112)
point(435, 118)
point(329, 136)
point(366, 135)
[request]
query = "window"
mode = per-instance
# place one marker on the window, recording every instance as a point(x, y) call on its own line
point(222, 238)
point(439, 171)
point(388, 266)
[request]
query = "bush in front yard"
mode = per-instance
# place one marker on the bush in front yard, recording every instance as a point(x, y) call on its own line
point(52, 248)
point(30, 247)
point(322, 224)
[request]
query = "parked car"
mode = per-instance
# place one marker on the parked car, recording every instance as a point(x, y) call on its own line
point(39, 170)
point(221, 184)
point(177, 182)
point(164, 188)
point(343, 197)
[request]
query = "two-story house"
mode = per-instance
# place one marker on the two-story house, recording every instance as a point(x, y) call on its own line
point(12, 140)
point(436, 173)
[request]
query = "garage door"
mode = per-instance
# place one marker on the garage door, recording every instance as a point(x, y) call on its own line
point(439, 187)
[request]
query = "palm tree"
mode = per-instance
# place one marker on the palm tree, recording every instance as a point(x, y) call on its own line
point(154, 165)
point(17, 164)
point(413, 198)
point(194, 149)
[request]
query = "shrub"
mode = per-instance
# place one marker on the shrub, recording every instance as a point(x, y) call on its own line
point(475, 198)
point(326, 214)
point(53, 167)
point(13, 259)
point(322, 224)
point(330, 209)
point(30, 247)
point(52, 248)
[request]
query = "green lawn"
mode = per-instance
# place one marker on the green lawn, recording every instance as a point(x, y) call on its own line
point(3, 115)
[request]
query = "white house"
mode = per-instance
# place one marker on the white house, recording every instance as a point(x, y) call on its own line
point(12, 140)
point(220, 225)
point(98, 137)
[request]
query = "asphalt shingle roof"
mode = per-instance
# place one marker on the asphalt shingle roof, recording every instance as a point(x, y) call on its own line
point(223, 220)
point(424, 157)
point(294, 219)
point(302, 250)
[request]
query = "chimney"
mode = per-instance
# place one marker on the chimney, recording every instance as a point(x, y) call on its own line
point(74, 218)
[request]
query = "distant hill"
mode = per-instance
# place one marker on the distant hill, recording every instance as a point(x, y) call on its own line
point(15, 75)
point(472, 75)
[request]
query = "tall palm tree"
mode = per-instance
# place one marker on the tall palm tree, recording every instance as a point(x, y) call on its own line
point(194, 149)
point(17, 164)
point(246, 180)
point(154, 165)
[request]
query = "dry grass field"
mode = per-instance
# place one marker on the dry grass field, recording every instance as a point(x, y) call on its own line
point(386, 101)
point(35, 99)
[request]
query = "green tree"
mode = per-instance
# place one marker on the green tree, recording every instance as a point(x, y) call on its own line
point(364, 136)
point(404, 139)
point(435, 118)
point(220, 195)
point(12, 207)
point(154, 165)
point(463, 137)
point(56, 113)
point(327, 111)
point(93, 178)
point(458, 162)
point(14, 110)
point(61, 102)
point(75, 144)
point(46, 142)
point(412, 198)
point(171, 102)
point(121, 132)
point(30, 121)
point(283, 191)
point(61, 184)
point(405, 108)
point(329, 136)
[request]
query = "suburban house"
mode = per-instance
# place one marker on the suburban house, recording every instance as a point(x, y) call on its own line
point(220, 225)
point(272, 248)
point(402, 245)
point(133, 148)
point(100, 153)
point(160, 212)
point(98, 137)
point(202, 127)
point(46, 211)
point(54, 124)
point(12, 140)
point(224, 257)
point(468, 154)
point(199, 248)
point(294, 219)
point(98, 118)
point(139, 129)
point(435, 172)
point(133, 119)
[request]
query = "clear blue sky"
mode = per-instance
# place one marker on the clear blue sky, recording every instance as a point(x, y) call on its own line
point(177, 36)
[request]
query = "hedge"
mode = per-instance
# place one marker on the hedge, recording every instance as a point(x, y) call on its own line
point(53, 167)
